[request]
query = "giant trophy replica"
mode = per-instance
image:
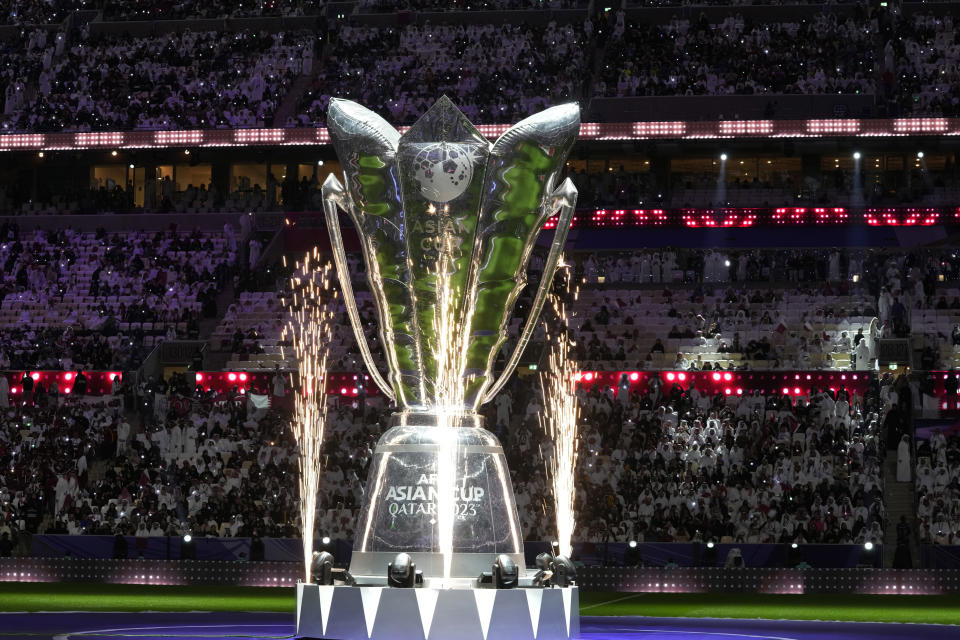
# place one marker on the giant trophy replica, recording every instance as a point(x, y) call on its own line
point(444, 217)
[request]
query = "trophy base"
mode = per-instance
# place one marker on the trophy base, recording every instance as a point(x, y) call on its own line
point(424, 613)
point(401, 508)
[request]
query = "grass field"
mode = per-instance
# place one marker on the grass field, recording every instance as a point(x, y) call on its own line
point(116, 597)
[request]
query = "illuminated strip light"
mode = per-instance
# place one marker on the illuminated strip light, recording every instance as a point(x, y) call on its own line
point(589, 130)
point(177, 138)
point(99, 139)
point(492, 131)
point(746, 128)
point(805, 215)
point(921, 125)
point(259, 136)
point(22, 141)
point(909, 217)
point(722, 218)
point(834, 126)
point(831, 215)
point(659, 129)
point(651, 217)
point(551, 222)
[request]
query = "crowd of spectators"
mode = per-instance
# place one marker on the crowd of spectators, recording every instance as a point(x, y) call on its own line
point(399, 72)
point(97, 299)
point(114, 10)
point(658, 465)
point(214, 465)
point(938, 488)
point(392, 6)
point(74, 81)
point(46, 451)
point(823, 54)
point(15, 12)
point(661, 464)
point(675, 464)
point(188, 80)
point(920, 66)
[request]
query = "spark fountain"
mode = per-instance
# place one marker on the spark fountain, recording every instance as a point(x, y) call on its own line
point(447, 223)
point(309, 329)
point(559, 421)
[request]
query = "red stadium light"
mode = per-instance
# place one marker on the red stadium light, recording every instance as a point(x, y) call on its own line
point(671, 376)
point(739, 391)
point(343, 391)
point(716, 377)
point(588, 376)
point(35, 376)
point(786, 391)
point(199, 377)
point(67, 390)
point(232, 377)
point(728, 391)
point(243, 377)
point(634, 376)
point(728, 377)
point(681, 376)
point(796, 390)
point(68, 376)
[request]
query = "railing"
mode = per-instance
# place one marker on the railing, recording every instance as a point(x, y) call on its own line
point(772, 581)
point(635, 580)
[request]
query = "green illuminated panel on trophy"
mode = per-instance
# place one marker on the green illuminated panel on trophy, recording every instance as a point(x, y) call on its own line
point(371, 179)
point(519, 173)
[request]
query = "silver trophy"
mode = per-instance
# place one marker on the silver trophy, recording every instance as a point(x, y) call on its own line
point(444, 216)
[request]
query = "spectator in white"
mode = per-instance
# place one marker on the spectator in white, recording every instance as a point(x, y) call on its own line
point(123, 438)
point(903, 459)
point(279, 383)
point(82, 464)
point(504, 403)
point(864, 362)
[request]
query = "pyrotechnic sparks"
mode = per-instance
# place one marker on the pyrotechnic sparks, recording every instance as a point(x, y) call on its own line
point(559, 420)
point(310, 329)
point(450, 355)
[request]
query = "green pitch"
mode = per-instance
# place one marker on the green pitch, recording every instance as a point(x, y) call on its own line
point(117, 597)
point(852, 608)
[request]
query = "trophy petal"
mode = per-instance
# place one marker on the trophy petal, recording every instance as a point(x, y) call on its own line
point(367, 145)
point(441, 161)
point(524, 165)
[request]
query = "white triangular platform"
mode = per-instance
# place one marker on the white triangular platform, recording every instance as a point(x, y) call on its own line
point(381, 613)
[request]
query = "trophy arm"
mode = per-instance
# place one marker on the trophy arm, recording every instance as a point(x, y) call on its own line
point(333, 194)
point(564, 198)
